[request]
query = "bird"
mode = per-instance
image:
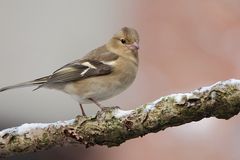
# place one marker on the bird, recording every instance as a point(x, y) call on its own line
point(101, 74)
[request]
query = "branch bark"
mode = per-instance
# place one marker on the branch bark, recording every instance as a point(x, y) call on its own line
point(113, 126)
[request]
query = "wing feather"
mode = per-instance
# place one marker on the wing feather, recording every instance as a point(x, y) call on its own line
point(93, 64)
point(77, 71)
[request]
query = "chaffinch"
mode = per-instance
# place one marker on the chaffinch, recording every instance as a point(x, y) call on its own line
point(103, 73)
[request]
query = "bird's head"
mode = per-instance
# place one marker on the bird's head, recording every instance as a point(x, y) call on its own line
point(124, 41)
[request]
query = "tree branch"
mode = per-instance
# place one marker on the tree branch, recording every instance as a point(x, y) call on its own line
point(113, 126)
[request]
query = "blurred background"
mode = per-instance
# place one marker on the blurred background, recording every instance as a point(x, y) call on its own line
point(184, 45)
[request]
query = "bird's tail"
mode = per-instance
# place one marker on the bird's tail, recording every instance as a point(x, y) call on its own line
point(40, 82)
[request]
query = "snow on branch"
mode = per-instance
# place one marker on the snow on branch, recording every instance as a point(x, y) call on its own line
point(113, 126)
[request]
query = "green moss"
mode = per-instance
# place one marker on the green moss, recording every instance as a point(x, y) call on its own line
point(13, 140)
point(45, 139)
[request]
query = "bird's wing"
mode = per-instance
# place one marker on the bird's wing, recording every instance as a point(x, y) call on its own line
point(82, 69)
point(78, 71)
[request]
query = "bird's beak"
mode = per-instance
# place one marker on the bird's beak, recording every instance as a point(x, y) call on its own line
point(133, 46)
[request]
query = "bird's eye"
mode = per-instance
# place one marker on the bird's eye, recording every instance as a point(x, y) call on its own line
point(123, 41)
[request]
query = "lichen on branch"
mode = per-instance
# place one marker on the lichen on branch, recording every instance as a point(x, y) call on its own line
point(113, 126)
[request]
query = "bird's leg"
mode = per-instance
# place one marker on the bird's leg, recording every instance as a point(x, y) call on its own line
point(82, 110)
point(98, 104)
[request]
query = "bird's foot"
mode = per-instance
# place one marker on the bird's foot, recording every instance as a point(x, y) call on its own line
point(110, 108)
point(107, 112)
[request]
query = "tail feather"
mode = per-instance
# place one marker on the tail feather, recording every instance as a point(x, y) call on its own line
point(40, 82)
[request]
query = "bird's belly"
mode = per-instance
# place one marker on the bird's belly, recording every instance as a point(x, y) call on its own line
point(98, 88)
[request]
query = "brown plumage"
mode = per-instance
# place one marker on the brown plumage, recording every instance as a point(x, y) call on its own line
point(101, 74)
